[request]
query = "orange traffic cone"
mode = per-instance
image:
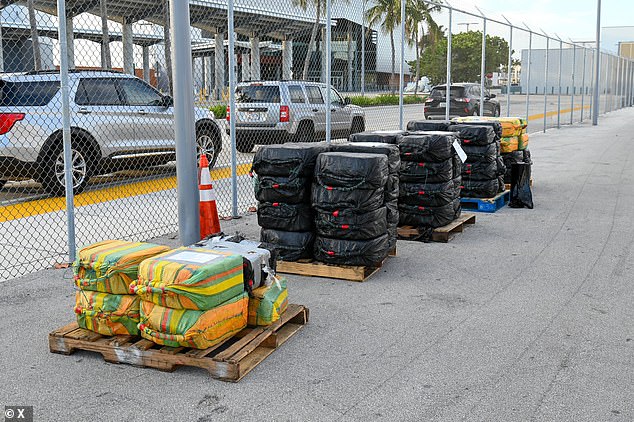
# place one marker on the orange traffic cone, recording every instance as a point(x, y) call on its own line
point(209, 221)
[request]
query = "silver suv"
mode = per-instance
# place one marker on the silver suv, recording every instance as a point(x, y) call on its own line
point(270, 112)
point(117, 122)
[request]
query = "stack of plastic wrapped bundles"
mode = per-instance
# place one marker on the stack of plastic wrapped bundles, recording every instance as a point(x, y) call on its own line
point(391, 189)
point(483, 172)
point(191, 297)
point(429, 180)
point(381, 136)
point(428, 125)
point(351, 217)
point(282, 188)
point(103, 273)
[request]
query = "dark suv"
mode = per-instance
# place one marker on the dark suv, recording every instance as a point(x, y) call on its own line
point(465, 101)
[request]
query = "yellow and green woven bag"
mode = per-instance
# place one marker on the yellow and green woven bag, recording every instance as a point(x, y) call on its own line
point(268, 304)
point(111, 266)
point(106, 313)
point(190, 278)
point(509, 144)
point(523, 143)
point(196, 329)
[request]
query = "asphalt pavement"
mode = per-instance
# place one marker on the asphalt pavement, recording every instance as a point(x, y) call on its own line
point(527, 315)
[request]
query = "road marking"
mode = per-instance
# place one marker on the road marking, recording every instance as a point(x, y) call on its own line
point(47, 205)
point(554, 113)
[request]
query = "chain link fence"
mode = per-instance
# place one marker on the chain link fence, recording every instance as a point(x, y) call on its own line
point(380, 57)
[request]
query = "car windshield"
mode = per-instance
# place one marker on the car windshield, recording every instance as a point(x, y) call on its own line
point(258, 94)
point(455, 92)
point(37, 93)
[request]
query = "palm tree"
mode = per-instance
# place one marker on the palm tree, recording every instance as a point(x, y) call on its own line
point(387, 14)
point(105, 36)
point(35, 39)
point(319, 5)
point(419, 12)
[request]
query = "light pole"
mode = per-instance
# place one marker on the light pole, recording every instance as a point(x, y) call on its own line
point(595, 110)
point(467, 24)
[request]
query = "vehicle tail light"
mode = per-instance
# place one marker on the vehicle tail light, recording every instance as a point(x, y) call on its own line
point(284, 114)
point(429, 100)
point(463, 100)
point(7, 120)
point(228, 113)
point(466, 110)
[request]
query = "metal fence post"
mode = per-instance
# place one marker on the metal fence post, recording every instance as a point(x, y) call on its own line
point(608, 84)
point(483, 64)
point(508, 71)
point(561, 46)
point(363, 49)
point(328, 67)
point(68, 171)
point(232, 107)
point(402, 68)
point(186, 168)
point(595, 109)
point(528, 70)
point(574, 87)
point(546, 79)
point(448, 90)
point(583, 85)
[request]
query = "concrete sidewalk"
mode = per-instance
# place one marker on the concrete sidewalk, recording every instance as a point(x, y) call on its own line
point(525, 316)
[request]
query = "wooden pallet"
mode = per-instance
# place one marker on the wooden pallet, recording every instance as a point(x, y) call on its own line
point(319, 269)
point(507, 186)
point(441, 234)
point(486, 204)
point(227, 361)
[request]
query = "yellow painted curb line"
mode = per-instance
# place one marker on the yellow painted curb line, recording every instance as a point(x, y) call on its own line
point(554, 113)
point(44, 206)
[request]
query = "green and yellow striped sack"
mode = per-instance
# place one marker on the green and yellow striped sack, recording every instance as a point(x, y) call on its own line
point(268, 304)
point(509, 144)
point(111, 266)
point(106, 313)
point(196, 329)
point(523, 142)
point(190, 278)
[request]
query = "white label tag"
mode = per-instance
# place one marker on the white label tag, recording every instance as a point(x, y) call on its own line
point(194, 257)
point(460, 151)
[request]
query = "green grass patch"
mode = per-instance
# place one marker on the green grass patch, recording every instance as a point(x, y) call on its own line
point(220, 111)
point(386, 100)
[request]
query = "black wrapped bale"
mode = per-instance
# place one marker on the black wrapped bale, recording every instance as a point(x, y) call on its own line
point(501, 166)
point(429, 125)
point(475, 135)
point(282, 189)
point(457, 166)
point(521, 195)
point(427, 172)
point(392, 222)
point(290, 246)
point(426, 146)
point(428, 194)
point(289, 160)
point(420, 216)
point(329, 198)
point(352, 252)
point(351, 171)
point(496, 126)
point(348, 225)
point(287, 217)
point(510, 159)
point(477, 153)
point(479, 188)
point(382, 136)
point(480, 170)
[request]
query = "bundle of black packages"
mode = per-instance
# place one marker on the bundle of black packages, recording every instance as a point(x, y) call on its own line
point(515, 157)
point(381, 136)
point(351, 216)
point(429, 188)
point(391, 192)
point(483, 171)
point(428, 125)
point(282, 187)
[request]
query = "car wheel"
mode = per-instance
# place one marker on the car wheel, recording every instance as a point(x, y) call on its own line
point(52, 174)
point(209, 144)
point(245, 145)
point(305, 132)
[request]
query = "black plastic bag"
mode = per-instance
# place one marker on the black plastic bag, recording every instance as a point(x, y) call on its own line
point(352, 252)
point(475, 135)
point(527, 156)
point(428, 194)
point(476, 153)
point(419, 216)
point(496, 126)
point(290, 246)
point(480, 170)
point(501, 166)
point(329, 198)
point(428, 125)
point(351, 170)
point(382, 136)
point(426, 146)
point(288, 160)
point(509, 159)
point(457, 166)
point(427, 172)
point(282, 189)
point(479, 188)
point(348, 225)
point(392, 222)
point(521, 195)
point(287, 217)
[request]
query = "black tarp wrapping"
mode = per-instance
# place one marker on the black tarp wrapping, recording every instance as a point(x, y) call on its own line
point(392, 222)
point(359, 200)
point(348, 225)
point(501, 166)
point(289, 160)
point(521, 195)
point(427, 172)
point(419, 216)
point(382, 136)
point(457, 166)
point(515, 157)
point(288, 217)
point(428, 125)
point(428, 194)
point(351, 171)
point(497, 126)
point(479, 188)
point(480, 170)
point(475, 135)
point(282, 189)
point(393, 161)
point(352, 252)
point(501, 184)
point(477, 153)
point(290, 246)
point(527, 156)
point(426, 146)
